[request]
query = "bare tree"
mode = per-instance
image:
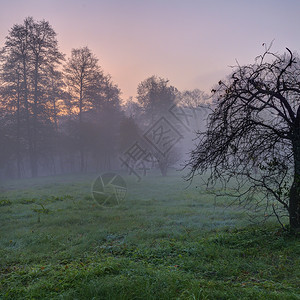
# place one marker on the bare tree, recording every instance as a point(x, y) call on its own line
point(55, 96)
point(83, 74)
point(11, 94)
point(30, 51)
point(193, 98)
point(44, 55)
point(15, 72)
point(253, 135)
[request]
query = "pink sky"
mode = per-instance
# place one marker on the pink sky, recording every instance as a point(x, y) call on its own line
point(192, 43)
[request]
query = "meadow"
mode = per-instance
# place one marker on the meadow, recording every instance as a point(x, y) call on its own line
point(166, 240)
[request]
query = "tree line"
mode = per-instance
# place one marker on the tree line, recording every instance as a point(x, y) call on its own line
point(61, 115)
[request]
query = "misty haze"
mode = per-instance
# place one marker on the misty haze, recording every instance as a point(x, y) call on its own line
point(149, 150)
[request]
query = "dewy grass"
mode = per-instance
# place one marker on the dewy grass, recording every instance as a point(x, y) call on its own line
point(163, 242)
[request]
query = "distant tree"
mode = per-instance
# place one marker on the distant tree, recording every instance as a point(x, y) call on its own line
point(15, 75)
point(105, 95)
point(7, 145)
point(192, 109)
point(83, 75)
point(11, 95)
point(56, 94)
point(168, 160)
point(133, 109)
point(193, 98)
point(108, 115)
point(155, 96)
point(95, 103)
point(253, 135)
point(44, 56)
point(29, 53)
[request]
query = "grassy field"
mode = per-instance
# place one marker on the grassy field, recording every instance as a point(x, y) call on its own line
point(165, 241)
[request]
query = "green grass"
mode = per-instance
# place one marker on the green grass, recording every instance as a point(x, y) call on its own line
point(165, 241)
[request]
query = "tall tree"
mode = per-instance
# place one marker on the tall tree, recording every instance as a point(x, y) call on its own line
point(32, 50)
point(254, 135)
point(11, 94)
point(105, 115)
point(16, 56)
point(83, 75)
point(44, 56)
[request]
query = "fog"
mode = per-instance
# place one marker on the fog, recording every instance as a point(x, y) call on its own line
point(98, 198)
point(62, 115)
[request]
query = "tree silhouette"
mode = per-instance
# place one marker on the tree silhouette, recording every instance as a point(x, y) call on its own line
point(253, 135)
point(30, 52)
point(83, 74)
point(155, 96)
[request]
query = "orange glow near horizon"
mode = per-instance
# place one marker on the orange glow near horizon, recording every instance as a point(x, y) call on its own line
point(192, 43)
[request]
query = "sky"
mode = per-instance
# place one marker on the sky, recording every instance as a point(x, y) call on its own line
point(193, 43)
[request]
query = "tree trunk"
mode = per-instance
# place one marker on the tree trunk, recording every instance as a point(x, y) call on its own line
point(294, 205)
point(18, 129)
point(294, 201)
point(34, 162)
point(27, 113)
point(81, 146)
point(163, 166)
